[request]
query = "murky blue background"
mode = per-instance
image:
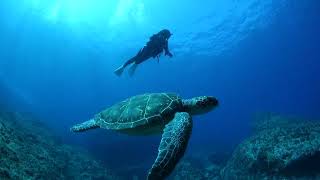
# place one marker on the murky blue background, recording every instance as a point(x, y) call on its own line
point(57, 60)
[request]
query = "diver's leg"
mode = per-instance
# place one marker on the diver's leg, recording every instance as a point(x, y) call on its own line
point(130, 61)
point(136, 63)
point(143, 56)
point(135, 59)
point(119, 71)
point(132, 69)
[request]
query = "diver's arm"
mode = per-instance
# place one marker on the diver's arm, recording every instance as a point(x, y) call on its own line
point(166, 49)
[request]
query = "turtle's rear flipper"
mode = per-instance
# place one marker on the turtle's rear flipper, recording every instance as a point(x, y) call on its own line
point(172, 146)
point(91, 124)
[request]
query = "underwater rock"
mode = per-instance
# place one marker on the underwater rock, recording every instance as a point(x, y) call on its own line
point(219, 158)
point(28, 150)
point(281, 148)
point(196, 168)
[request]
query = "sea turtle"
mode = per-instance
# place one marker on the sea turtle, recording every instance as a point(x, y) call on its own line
point(154, 113)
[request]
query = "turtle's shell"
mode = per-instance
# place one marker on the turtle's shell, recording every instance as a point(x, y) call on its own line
point(149, 110)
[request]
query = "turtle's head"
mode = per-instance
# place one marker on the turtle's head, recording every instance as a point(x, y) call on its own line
point(200, 105)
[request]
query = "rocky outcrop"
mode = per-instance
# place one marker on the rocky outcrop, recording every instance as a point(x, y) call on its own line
point(281, 148)
point(28, 150)
point(201, 166)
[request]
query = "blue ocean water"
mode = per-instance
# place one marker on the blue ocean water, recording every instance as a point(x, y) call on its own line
point(57, 60)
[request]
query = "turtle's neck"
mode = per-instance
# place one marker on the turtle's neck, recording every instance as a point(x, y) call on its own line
point(188, 105)
point(199, 105)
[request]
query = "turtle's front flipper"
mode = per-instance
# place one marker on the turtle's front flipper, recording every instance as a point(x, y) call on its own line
point(91, 124)
point(172, 146)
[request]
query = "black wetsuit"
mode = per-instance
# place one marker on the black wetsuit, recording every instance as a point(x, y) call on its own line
point(153, 48)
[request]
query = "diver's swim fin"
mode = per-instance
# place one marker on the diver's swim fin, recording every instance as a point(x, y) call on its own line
point(133, 69)
point(119, 71)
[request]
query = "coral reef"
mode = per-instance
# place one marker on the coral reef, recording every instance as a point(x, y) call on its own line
point(200, 167)
point(281, 148)
point(28, 150)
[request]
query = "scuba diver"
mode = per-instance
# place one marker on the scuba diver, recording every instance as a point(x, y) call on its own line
point(154, 47)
